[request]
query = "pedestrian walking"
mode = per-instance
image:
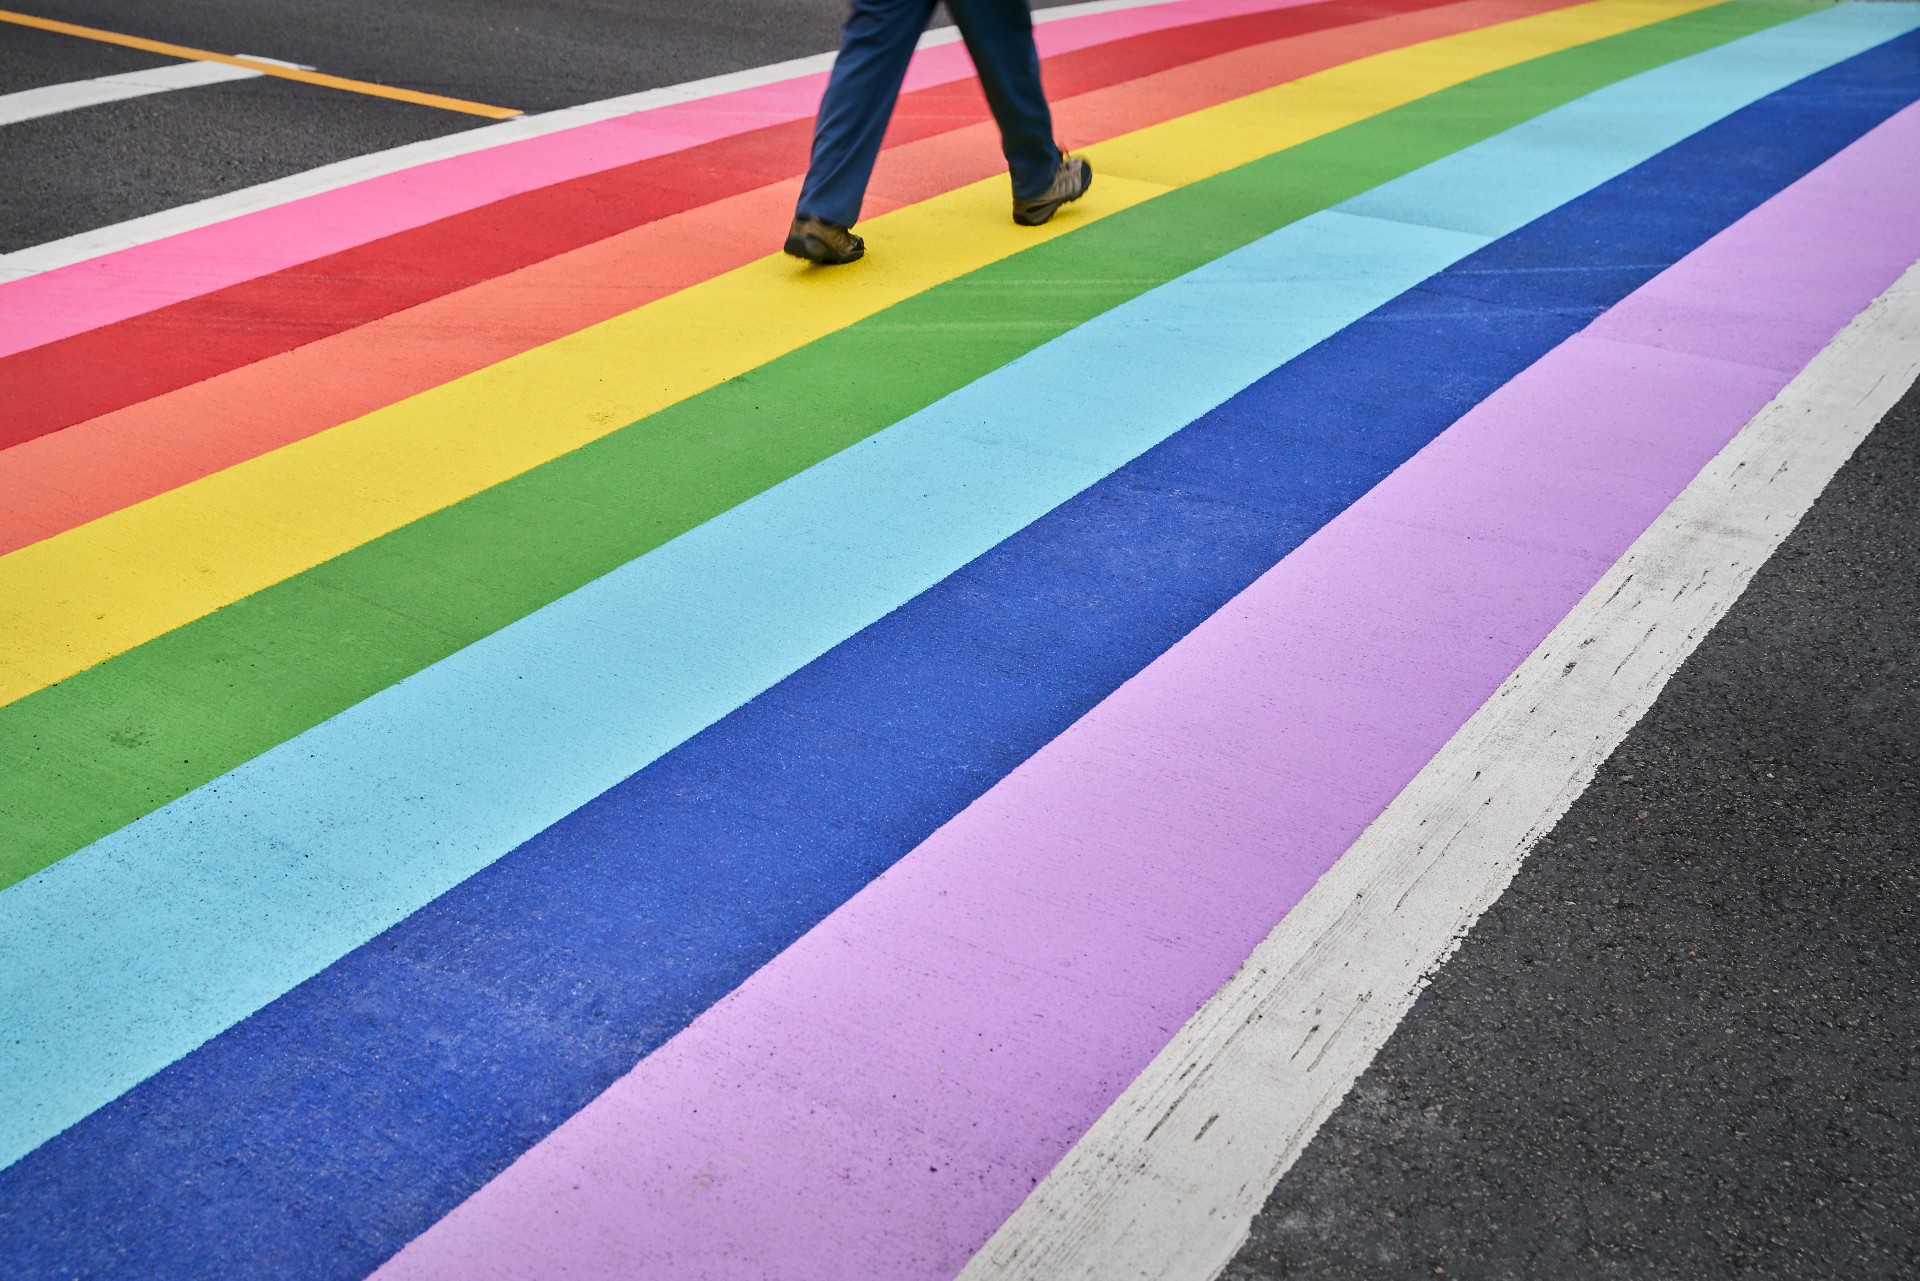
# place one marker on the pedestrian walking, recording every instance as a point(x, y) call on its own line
point(875, 47)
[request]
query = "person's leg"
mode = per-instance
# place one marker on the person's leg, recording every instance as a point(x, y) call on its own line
point(875, 47)
point(999, 36)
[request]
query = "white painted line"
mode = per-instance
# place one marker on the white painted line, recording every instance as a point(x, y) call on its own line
point(50, 100)
point(202, 213)
point(1166, 1183)
point(278, 62)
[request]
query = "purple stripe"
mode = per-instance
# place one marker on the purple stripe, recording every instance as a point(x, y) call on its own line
point(878, 1098)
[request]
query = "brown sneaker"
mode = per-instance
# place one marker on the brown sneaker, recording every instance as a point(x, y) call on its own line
point(1070, 182)
point(823, 242)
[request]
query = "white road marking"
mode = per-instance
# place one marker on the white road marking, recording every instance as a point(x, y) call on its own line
point(49, 100)
point(278, 62)
point(1166, 1183)
point(202, 213)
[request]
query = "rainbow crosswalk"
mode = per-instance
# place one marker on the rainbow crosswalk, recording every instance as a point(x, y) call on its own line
point(543, 741)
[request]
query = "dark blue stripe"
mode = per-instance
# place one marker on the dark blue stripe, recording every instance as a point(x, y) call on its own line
point(318, 1136)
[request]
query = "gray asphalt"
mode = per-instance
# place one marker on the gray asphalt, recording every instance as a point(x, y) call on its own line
point(1683, 1044)
point(30, 59)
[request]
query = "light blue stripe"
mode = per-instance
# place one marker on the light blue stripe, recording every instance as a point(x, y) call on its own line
point(127, 954)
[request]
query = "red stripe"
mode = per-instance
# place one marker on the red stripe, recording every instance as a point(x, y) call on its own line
point(77, 378)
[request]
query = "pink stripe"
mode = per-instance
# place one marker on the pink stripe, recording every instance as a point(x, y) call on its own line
point(70, 300)
point(878, 1098)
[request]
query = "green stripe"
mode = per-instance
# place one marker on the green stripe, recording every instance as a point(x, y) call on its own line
point(97, 751)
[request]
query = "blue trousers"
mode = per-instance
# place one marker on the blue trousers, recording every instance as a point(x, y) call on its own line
point(875, 48)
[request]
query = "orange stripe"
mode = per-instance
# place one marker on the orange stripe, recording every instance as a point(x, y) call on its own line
point(86, 471)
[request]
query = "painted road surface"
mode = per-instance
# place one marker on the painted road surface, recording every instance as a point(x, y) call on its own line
point(541, 739)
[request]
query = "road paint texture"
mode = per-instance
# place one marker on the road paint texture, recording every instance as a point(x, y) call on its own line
point(525, 783)
point(530, 773)
point(59, 384)
point(313, 376)
point(198, 732)
point(1000, 982)
point(77, 599)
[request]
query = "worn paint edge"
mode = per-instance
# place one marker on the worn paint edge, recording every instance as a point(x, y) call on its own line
point(1165, 1185)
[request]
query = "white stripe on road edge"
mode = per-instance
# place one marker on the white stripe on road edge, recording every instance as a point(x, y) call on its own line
point(50, 100)
point(204, 213)
point(1140, 1196)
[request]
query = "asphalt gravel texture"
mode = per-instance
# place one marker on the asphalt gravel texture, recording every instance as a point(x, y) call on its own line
point(31, 59)
point(1683, 1044)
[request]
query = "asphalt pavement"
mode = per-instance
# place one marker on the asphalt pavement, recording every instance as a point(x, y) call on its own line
point(31, 58)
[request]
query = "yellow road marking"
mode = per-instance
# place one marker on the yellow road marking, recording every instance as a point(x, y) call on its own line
point(263, 67)
point(81, 597)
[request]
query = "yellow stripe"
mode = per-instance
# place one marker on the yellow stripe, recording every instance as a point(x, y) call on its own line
point(264, 68)
point(83, 596)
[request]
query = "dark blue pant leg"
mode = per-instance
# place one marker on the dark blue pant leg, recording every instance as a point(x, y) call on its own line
point(875, 47)
point(999, 36)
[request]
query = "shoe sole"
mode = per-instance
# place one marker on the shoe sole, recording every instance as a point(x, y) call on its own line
point(819, 252)
point(1035, 217)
